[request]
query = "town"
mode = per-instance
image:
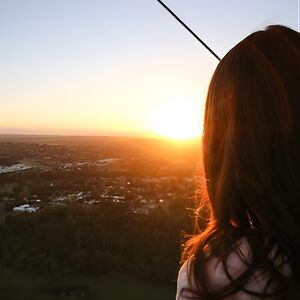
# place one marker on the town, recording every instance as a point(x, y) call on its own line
point(96, 208)
point(37, 174)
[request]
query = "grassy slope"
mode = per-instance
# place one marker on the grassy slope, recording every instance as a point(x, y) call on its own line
point(112, 287)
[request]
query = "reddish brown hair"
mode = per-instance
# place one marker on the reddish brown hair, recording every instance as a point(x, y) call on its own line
point(251, 158)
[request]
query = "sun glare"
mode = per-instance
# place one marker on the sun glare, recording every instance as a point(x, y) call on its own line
point(177, 120)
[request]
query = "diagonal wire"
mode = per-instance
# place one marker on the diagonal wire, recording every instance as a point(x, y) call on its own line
point(190, 30)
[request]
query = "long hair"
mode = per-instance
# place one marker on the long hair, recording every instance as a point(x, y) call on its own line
point(251, 160)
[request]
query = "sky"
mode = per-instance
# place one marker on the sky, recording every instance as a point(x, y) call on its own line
point(106, 67)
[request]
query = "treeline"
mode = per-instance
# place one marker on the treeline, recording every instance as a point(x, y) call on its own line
point(78, 239)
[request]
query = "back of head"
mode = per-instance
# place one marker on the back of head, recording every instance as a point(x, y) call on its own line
point(252, 131)
point(251, 150)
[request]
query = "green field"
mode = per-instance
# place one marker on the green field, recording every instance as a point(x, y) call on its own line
point(110, 287)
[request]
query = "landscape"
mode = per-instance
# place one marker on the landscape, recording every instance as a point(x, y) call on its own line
point(103, 108)
point(94, 217)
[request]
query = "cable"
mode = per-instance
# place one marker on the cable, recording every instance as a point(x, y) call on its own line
point(190, 30)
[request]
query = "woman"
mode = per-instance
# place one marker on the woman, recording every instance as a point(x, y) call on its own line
point(250, 248)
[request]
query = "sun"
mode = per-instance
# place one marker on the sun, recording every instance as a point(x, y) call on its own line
point(177, 120)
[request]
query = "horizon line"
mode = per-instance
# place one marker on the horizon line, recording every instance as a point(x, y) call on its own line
point(36, 135)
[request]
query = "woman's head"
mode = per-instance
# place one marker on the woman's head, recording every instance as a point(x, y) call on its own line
point(251, 139)
point(251, 155)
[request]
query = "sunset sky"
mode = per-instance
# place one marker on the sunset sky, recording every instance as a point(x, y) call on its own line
point(117, 67)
